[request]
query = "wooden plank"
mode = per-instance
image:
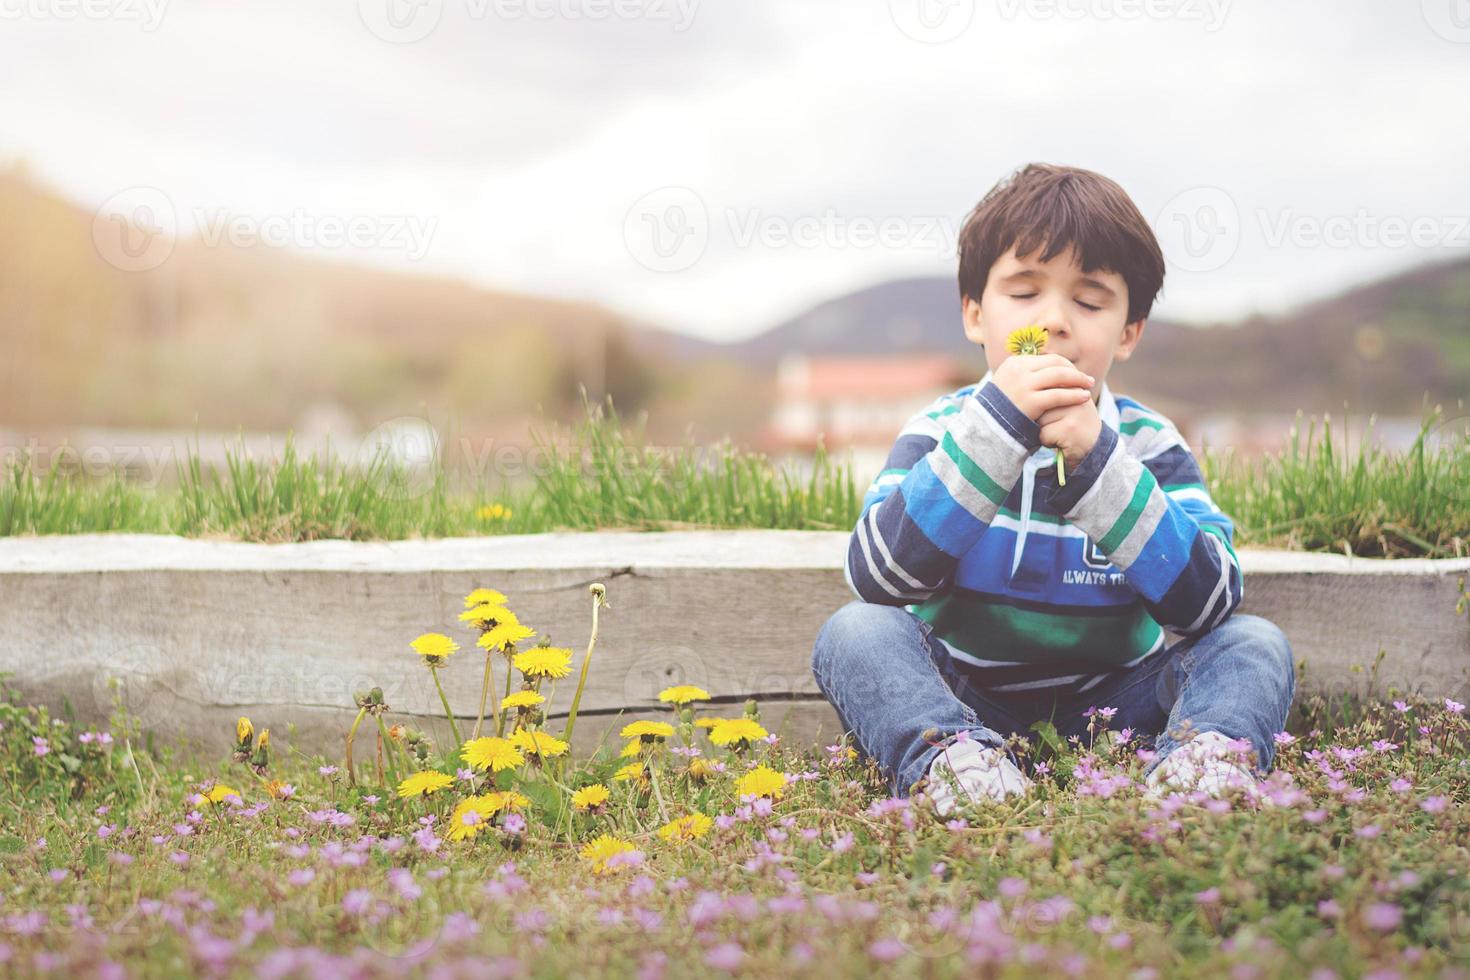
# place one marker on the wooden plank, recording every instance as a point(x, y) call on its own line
point(202, 631)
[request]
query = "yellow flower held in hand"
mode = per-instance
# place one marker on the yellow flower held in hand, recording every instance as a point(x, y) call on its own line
point(683, 694)
point(761, 781)
point(1032, 340)
point(424, 783)
point(728, 731)
point(491, 753)
point(544, 662)
point(434, 647)
point(590, 796)
point(692, 827)
point(599, 850)
point(647, 729)
point(1027, 340)
point(538, 743)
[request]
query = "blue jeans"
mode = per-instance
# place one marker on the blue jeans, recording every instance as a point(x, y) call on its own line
point(900, 693)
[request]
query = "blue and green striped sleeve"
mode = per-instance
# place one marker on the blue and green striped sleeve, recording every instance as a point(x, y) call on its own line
point(1149, 512)
point(941, 485)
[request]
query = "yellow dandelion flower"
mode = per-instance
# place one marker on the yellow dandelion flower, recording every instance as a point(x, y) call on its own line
point(590, 796)
point(434, 647)
point(1027, 340)
point(493, 512)
point(633, 770)
point(219, 792)
point(731, 730)
point(647, 729)
point(491, 752)
point(471, 816)
point(522, 699)
point(692, 827)
point(486, 614)
point(538, 743)
point(599, 850)
point(424, 783)
point(503, 634)
point(708, 722)
point(544, 662)
point(484, 597)
point(631, 750)
point(244, 731)
point(761, 781)
point(509, 800)
point(1032, 340)
point(683, 694)
point(701, 768)
point(264, 741)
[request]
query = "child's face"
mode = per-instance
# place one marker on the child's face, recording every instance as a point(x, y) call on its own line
point(1083, 312)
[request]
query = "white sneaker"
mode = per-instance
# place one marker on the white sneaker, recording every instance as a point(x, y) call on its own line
point(983, 773)
point(1203, 763)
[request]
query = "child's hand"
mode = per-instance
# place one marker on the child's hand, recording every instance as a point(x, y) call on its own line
point(1072, 430)
point(1037, 383)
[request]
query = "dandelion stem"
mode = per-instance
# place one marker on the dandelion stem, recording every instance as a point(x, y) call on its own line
point(663, 811)
point(352, 734)
point(447, 712)
point(509, 676)
point(387, 742)
point(485, 686)
point(599, 594)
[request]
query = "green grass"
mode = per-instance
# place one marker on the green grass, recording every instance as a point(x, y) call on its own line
point(603, 473)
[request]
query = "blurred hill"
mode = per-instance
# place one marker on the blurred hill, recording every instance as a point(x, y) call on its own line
point(263, 338)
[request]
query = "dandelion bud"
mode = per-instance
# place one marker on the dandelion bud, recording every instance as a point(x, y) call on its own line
point(752, 711)
point(244, 735)
point(261, 760)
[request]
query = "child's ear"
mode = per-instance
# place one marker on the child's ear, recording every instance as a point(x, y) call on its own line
point(1132, 333)
point(970, 313)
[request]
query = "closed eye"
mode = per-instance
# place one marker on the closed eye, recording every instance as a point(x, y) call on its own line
point(1085, 306)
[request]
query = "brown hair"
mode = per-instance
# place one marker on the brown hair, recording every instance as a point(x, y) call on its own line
point(1041, 204)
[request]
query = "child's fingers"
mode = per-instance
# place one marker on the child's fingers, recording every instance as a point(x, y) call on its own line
point(1058, 377)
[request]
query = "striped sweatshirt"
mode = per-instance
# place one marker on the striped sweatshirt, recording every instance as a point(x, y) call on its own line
point(1029, 584)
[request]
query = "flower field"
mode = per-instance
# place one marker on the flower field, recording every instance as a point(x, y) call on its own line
point(703, 844)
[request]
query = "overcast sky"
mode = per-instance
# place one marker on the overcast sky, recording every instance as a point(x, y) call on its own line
point(717, 166)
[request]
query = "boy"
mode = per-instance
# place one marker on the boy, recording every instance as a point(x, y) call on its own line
point(989, 596)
